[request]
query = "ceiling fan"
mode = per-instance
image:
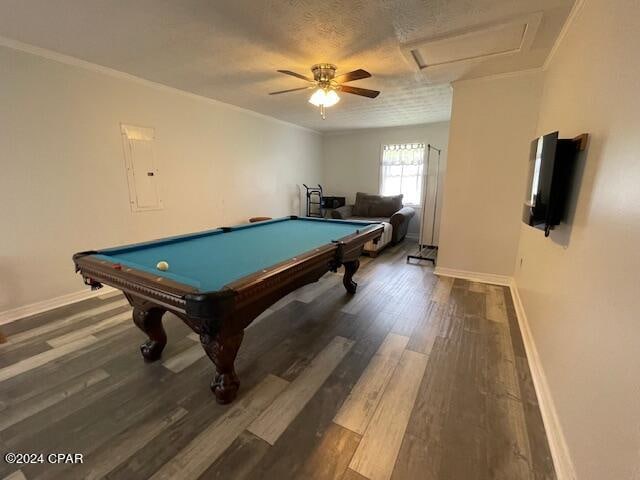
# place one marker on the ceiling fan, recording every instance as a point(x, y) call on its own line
point(327, 84)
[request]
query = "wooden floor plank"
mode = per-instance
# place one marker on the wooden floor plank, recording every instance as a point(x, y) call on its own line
point(508, 447)
point(148, 400)
point(125, 446)
point(541, 459)
point(277, 417)
point(409, 309)
point(351, 475)
point(310, 292)
point(464, 431)
point(442, 290)
point(184, 359)
point(17, 475)
point(239, 459)
point(464, 302)
point(357, 410)
point(37, 320)
point(116, 348)
point(371, 292)
point(119, 408)
point(514, 327)
point(310, 341)
point(258, 319)
point(288, 456)
point(15, 351)
point(78, 410)
point(262, 352)
point(194, 336)
point(193, 460)
point(22, 351)
point(38, 332)
point(376, 454)
point(495, 304)
point(90, 330)
point(111, 295)
point(478, 287)
point(122, 409)
point(332, 455)
point(428, 328)
point(202, 413)
point(22, 410)
point(43, 358)
point(423, 444)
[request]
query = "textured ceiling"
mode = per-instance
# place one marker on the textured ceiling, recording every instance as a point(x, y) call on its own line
point(229, 50)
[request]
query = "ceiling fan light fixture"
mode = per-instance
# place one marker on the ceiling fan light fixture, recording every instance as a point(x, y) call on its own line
point(326, 84)
point(324, 97)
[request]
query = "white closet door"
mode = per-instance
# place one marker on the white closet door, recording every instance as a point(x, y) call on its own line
point(142, 172)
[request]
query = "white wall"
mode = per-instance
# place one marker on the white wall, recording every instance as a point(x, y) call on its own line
point(492, 123)
point(63, 185)
point(581, 286)
point(352, 158)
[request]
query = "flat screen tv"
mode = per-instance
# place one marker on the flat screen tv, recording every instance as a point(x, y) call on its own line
point(551, 169)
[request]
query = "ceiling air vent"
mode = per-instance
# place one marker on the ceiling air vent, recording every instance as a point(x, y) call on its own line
point(506, 38)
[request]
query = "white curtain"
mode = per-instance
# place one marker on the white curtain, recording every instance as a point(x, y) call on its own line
point(401, 171)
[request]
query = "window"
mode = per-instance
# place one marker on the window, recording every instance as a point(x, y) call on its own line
point(401, 171)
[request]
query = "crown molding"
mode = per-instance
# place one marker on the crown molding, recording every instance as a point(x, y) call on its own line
point(335, 133)
point(498, 76)
point(575, 9)
point(93, 67)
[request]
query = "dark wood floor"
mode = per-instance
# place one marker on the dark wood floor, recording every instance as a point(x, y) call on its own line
point(414, 377)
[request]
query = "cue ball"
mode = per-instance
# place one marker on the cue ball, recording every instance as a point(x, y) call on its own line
point(163, 266)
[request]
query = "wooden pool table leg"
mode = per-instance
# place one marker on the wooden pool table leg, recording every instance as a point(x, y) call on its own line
point(149, 320)
point(350, 268)
point(222, 349)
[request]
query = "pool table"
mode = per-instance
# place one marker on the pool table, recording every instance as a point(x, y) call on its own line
point(219, 281)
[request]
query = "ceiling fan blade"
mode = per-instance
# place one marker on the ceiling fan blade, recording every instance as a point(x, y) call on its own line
point(290, 90)
point(351, 76)
point(364, 92)
point(289, 72)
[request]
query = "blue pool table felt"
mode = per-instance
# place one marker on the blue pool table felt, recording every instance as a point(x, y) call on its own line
point(210, 260)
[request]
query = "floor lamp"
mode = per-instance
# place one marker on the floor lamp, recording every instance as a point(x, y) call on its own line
point(424, 254)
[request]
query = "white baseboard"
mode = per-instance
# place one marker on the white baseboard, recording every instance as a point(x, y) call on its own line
point(474, 276)
point(21, 312)
point(557, 443)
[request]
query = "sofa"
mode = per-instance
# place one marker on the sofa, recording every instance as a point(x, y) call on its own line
point(380, 208)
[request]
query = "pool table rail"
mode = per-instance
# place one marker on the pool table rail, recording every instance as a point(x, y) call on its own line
point(166, 292)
